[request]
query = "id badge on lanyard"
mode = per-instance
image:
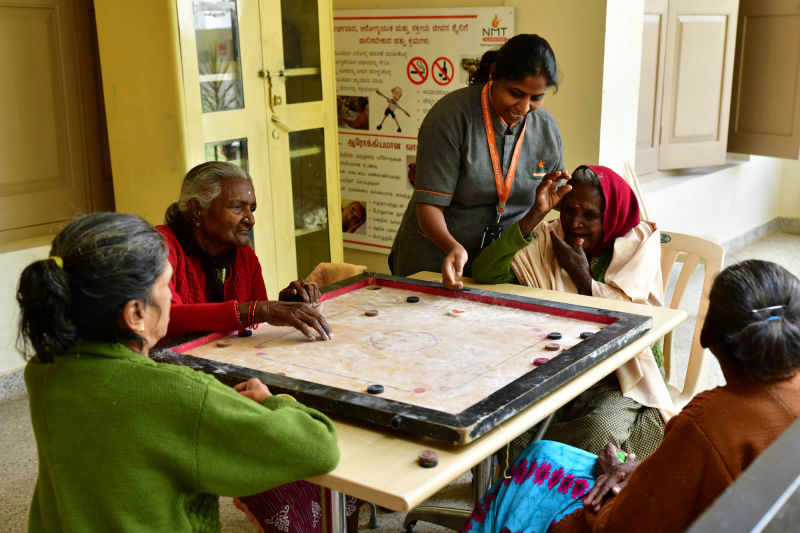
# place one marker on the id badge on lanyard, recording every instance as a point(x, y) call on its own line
point(491, 232)
point(493, 229)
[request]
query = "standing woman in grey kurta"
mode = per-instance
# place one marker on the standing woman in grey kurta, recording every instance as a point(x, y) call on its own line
point(482, 151)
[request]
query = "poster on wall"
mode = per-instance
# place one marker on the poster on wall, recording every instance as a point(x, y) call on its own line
point(392, 65)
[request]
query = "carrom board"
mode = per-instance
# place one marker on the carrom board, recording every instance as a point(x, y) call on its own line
point(448, 377)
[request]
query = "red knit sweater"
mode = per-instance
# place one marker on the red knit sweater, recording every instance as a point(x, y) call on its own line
point(189, 310)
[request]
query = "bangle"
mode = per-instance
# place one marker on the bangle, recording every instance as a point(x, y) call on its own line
point(286, 396)
point(251, 315)
point(238, 315)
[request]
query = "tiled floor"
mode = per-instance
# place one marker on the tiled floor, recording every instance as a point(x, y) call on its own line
point(18, 461)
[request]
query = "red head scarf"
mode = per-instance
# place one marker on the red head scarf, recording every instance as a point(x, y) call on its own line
point(621, 212)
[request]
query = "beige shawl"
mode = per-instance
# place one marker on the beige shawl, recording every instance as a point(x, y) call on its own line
point(634, 275)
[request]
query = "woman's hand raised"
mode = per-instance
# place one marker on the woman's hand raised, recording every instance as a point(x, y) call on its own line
point(298, 315)
point(548, 196)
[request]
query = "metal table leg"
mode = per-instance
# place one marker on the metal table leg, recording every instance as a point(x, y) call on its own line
point(335, 512)
point(447, 516)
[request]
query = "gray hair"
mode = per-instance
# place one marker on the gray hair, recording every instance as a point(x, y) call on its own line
point(586, 176)
point(98, 263)
point(202, 183)
point(754, 319)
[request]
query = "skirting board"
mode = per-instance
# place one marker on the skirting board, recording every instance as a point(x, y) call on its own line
point(779, 224)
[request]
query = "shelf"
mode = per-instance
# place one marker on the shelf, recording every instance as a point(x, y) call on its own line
point(308, 231)
point(310, 71)
point(305, 152)
point(205, 78)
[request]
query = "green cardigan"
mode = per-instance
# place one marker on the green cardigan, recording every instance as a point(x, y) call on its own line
point(129, 444)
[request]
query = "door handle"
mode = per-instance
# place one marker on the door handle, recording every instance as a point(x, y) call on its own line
point(272, 77)
point(283, 123)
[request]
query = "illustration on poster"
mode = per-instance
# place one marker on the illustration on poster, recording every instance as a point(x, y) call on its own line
point(353, 111)
point(354, 216)
point(392, 66)
point(444, 71)
point(397, 93)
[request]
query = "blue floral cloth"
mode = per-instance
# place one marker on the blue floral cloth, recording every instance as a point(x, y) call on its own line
point(544, 484)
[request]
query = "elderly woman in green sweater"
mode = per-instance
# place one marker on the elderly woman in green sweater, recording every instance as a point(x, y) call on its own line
point(126, 443)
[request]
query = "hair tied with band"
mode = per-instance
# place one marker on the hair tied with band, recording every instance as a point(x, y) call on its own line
point(58, 261)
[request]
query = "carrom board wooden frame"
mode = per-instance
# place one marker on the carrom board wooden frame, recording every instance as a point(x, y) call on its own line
point(620, 329)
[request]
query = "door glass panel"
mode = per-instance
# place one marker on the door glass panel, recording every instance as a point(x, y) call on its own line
point(301, 56)
point(310, 199)
point(233, 151)
point(216, 31)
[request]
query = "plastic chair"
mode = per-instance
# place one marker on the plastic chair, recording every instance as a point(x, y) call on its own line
point(689, 252)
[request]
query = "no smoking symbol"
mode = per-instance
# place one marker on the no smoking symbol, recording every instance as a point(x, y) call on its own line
point(443, 71)
point(417, 70)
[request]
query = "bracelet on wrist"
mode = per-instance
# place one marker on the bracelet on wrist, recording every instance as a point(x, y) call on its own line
point(286, 396)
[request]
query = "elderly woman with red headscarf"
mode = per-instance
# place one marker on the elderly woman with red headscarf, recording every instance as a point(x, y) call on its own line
point(599, 247)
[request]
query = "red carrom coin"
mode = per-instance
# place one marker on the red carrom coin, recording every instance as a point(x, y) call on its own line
point(428, 458)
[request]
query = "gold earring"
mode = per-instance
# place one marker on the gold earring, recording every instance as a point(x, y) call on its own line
point(141, 329)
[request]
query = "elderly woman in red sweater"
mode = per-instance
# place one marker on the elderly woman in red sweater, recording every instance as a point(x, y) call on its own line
point(217, 285)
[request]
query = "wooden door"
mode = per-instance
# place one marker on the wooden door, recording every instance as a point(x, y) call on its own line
point(697, 82)
point(648, 132)
point(765, 111)
point(224, 99)
point(258, 91)
point(51, 153)
point(301, 112)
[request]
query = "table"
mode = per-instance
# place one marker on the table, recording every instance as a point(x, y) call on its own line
point(378, 466)
point(415, 357)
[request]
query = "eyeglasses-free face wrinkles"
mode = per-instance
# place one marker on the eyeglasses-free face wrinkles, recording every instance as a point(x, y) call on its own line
point(228, 220)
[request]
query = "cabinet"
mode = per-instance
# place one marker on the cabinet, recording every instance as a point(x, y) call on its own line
point(765, 115)
point(259, 92)
point(52, 154)
point(245, 81)
point(685, 88)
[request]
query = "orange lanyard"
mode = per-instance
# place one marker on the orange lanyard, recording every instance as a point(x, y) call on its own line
point(503, 188)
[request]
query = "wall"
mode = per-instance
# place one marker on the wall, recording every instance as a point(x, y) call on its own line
point(13, 261)
point(621, 72)
point(790, 189)
point(149, 149)
point(722, 204)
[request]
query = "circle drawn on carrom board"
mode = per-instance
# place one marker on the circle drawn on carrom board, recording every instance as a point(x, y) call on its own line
point(403, 340)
